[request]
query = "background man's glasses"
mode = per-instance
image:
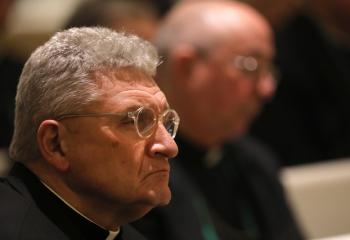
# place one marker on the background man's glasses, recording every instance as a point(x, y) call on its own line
point(255, 67)
point(145, 120)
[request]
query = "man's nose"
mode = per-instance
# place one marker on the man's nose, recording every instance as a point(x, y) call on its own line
point(266, 86)
point(163, 144)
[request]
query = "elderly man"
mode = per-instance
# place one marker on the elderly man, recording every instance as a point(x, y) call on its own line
point(93, 135)
point(217, 73)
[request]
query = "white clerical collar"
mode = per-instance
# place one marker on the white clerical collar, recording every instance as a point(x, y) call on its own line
point(213, 156)
point(111, 235)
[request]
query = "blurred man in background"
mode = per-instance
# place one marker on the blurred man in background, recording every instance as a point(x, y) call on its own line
point(136, 16)
point(217, 73)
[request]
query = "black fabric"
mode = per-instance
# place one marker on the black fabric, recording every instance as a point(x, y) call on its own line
point(242, 195)
point(28, 210)
point(309, 118)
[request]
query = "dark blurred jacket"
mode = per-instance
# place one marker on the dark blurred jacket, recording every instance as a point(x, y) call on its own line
point(238, 198)
point(29, 211)
point(309, 118)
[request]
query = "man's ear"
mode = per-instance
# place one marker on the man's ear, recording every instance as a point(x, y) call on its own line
point(50, 144)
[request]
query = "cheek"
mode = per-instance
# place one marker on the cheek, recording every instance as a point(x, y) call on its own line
point(100, 156)
point(228, 93)
point(95, 161)
point(130, 152)
point(112, 172)
point(130, 164)
point(243, 90)
point(148, 187)
point(237, 100)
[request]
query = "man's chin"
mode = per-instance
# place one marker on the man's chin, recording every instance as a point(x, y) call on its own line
point(151, 200)
point(158, 197)
point(163, 197)
point(165, 201)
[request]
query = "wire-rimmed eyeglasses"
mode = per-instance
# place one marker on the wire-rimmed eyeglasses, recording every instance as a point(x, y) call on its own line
point(145, 120)
point(255, 67)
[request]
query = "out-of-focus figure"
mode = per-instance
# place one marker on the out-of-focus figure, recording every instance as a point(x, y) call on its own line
point(136, 16)
point(217, 73)
point(309, 118)
point(10, 68)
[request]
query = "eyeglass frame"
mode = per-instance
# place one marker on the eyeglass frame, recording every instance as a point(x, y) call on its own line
point(133, 115)
point(271, 68)
point(240, 62)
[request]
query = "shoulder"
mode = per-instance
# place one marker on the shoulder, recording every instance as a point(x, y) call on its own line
point(13, 207)
point(250, 153)
point(13, 202)
point(20, 218)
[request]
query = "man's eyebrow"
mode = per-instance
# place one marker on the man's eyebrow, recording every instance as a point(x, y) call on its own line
point(161, 106)
point(164, 107)
point(131, 108)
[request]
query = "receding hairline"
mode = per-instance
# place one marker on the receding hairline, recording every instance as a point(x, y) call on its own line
point(209, 17)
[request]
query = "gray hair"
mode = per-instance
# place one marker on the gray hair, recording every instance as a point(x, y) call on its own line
point(58, 77)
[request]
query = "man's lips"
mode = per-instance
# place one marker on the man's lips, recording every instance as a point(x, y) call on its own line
point(156, 172)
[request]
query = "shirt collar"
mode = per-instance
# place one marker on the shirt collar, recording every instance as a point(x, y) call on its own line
point(69, 221)
point(112, 234)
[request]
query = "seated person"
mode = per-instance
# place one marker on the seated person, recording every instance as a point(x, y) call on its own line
point(93, 135)
point(217, 74)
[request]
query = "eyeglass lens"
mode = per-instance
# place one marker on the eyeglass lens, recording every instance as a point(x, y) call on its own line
point(256, 67)
point(169, 122)
point(146, 121)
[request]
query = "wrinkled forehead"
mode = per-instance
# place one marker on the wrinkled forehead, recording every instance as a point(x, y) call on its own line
point(127, 88)
point(107, 78)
